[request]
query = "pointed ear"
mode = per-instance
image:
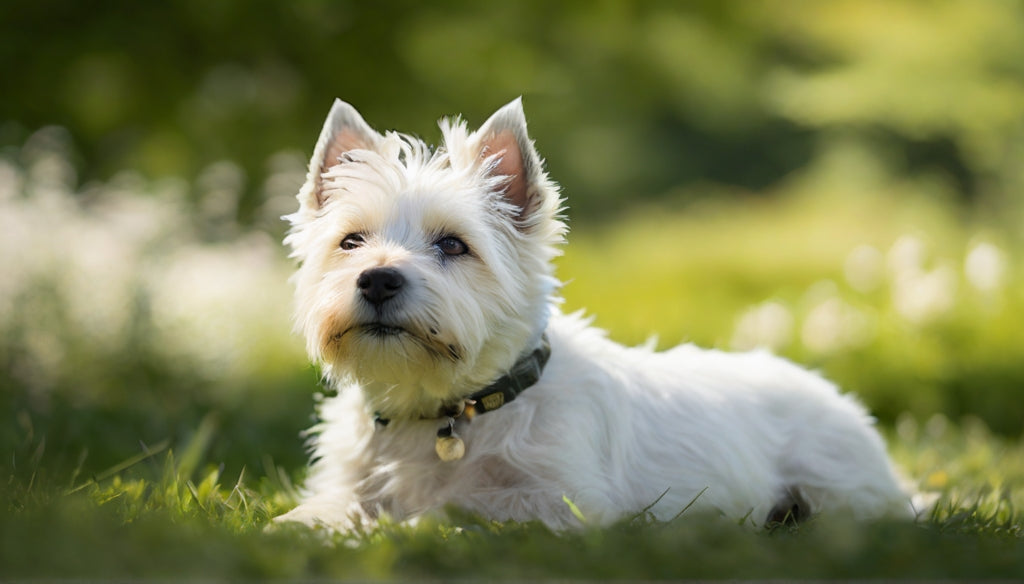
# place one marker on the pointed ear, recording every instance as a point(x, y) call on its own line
point(344, 130)
point(503, 136)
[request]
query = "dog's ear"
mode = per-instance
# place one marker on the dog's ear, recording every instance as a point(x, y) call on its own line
point(503, 141)
point(344, 130)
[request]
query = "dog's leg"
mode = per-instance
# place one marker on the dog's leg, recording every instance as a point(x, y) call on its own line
point(791, 509)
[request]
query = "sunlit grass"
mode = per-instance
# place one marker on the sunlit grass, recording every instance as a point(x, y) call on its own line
point(171, 515)
point(687, 274)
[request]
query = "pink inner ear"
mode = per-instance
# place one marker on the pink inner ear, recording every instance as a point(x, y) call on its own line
point(343, 142)
point(510, 165)
point(339, 144)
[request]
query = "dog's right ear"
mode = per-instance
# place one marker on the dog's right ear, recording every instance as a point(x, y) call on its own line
point(504, 140)
point(343, 131)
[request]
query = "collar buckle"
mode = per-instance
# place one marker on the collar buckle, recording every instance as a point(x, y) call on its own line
point(524, 374)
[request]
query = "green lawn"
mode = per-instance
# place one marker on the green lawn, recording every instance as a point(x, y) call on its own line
point(170, 516)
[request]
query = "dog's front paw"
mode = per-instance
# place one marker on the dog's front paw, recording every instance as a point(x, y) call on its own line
point(325, 517)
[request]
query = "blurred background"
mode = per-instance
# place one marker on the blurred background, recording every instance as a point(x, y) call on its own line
point(839, 182)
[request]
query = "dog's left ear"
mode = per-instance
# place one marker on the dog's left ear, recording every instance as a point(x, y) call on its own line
point(503, 142)
point(344, 130)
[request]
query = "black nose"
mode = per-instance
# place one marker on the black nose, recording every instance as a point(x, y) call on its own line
point(379, 284)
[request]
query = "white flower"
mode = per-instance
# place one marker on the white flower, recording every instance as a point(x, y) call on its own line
point(918, 294)
point(833, 325)
point(922, 296)
point(863, 268)
point(906, 255)
point(768, 325)
point(985, 267)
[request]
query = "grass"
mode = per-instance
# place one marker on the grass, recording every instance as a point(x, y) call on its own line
point(163, 515)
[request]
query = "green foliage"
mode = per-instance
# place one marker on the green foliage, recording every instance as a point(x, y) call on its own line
point(626, 99)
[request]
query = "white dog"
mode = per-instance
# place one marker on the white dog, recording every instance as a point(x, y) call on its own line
point(427, 294)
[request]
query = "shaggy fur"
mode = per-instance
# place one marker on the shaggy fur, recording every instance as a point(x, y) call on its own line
point(616, 430)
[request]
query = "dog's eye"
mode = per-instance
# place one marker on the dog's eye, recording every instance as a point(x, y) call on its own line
point(352, 241)
point(451, 246)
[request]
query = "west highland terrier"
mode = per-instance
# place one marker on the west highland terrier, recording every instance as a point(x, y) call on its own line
point(426, 292)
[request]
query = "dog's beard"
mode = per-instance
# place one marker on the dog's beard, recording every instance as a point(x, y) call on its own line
point(408, 359)
point(382, 337)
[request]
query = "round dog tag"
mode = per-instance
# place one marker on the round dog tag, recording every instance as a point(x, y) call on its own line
point(450, 448)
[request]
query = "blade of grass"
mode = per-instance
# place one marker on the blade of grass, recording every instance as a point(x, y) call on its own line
point(121, 466)
point(688, 505)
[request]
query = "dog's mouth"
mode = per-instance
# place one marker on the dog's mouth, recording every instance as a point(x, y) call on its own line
point(384, 331)
point(379, 329)
point(375, 329)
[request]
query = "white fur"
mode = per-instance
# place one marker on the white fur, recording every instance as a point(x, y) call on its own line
point(615, 430)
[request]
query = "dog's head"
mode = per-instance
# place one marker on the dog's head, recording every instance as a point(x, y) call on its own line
point(424, 273)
